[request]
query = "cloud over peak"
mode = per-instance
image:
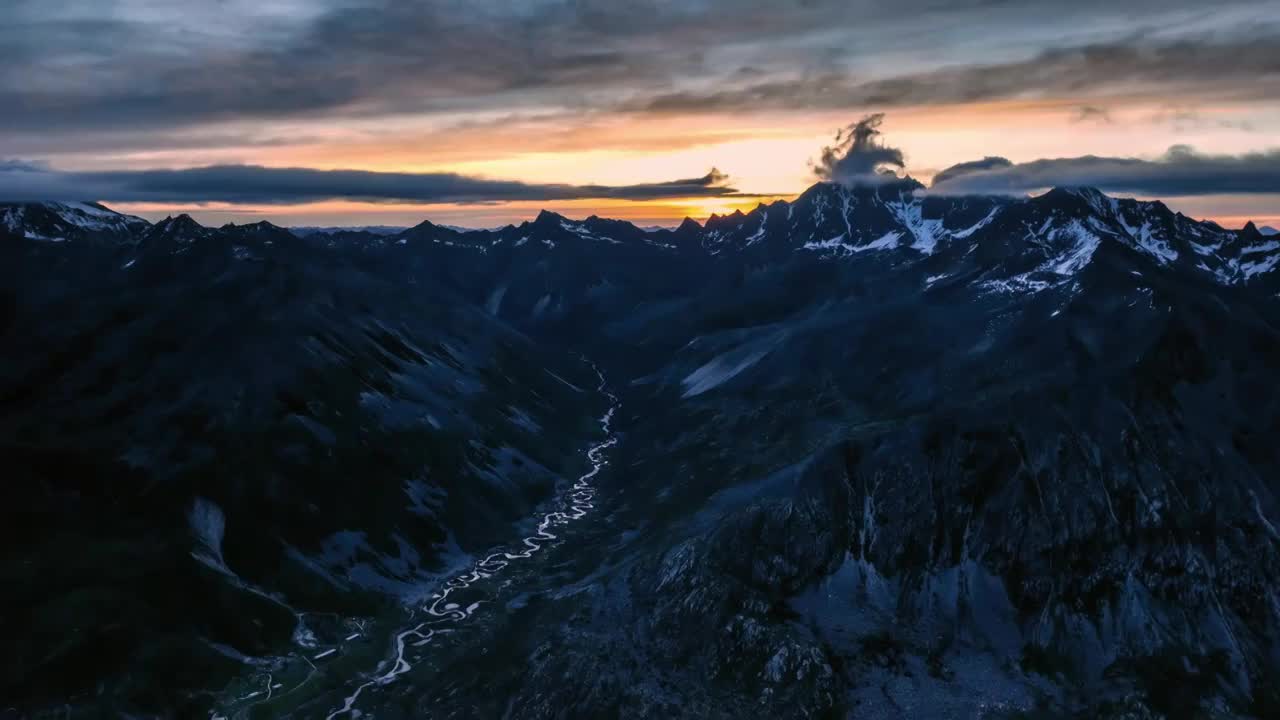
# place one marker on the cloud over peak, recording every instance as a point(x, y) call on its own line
point(859, 155)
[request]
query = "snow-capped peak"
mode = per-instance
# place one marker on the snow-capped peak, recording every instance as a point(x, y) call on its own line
point(67, 221)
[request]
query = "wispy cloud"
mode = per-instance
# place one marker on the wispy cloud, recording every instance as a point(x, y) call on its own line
point(1185, 119)
point(73, 65)
point(1092, 113)
point(1240, 69)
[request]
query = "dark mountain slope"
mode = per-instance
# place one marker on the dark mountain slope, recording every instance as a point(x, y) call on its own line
point(1045, 495)
point(205, 444)
point(1032, 459)
point(881, 455)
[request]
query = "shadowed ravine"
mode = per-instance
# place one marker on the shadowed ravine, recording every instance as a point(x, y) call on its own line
point(442, 613)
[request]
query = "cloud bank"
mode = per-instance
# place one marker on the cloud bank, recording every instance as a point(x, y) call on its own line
point(249, 184)
point(1179, 172)
point(859, 156)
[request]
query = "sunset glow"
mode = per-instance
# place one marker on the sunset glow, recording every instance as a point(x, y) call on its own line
point(1020, 95)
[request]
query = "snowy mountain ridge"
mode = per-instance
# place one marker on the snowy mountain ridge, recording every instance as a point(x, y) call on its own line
point(898, 221)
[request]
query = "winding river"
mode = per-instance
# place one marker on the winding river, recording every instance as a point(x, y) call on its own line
point(442, 614)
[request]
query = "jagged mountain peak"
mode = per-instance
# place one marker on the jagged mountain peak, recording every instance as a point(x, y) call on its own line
point(181, 229)
point(689, 225)
point(260, 225)
point(832, 193)
point(1082, 199)
point(253, 237)
point(426, 230)
point(546, 217)
point(603, 222)
point(1088, 192)
point(549, 228)
point(181, 221)
point(424, 226)
point(906, 182)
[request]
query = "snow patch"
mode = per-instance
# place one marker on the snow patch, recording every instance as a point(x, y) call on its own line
point(495, 300)
point(963, 234)
point(719, 371)
point(208, 524)
point(759, 233)
point(1146, 240)
point(1250, 269)
point(839, 246)
point(586, 234)
point(1080, 255)
point(910, 213)
point(1058, 269)
point(1264, 247)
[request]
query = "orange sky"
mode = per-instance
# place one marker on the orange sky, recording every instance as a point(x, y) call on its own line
point(768, 154)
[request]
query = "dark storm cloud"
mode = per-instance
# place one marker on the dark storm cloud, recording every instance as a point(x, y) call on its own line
point(859, 156)
point(259, 185)
point(72, 64)
point(1179, 172)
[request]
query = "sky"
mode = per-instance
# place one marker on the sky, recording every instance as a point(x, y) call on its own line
point(482, 112)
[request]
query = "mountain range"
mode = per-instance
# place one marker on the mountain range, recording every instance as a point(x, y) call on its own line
point(874, 452)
